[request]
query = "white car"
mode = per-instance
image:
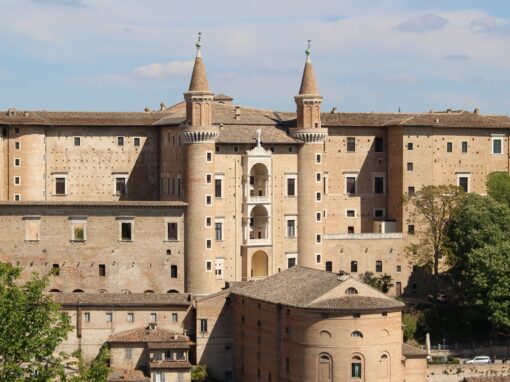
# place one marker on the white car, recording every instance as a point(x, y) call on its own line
point(479, 359)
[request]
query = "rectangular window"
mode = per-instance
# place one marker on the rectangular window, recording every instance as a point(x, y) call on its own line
point(203, 325)
point(60, 186)
point(17, 162)
point(208, 243)
point(318, 196)
point(378, 266)
point(208, 156)
point(218, 188)
point(120, 186)
point(208, 178)
point(154, 317)
point(171, 231)
point(102, 270)
point(318, 238)
point(126, 231)
point(291, 228)
point(410, 146)
point(208, 200)
point(409, 166)
point(173, 271)
point(128, 353)
point(378, 185)
point(449, 147)
point(497, 146)
point(399, 268)
point(17, 145)
point(56, 269)
point(86, 316)
point(17, 197)
point(218, 268)
point(208, 266)
point(136, 142)
point(318, 216)
point(464, 183)
point(410, 191)
point(79, 230)
point(109, 317)
point(350, 229)
point(120, 141)
point(464, 147)
point(291, 186)
point(218, 231)
point(131, 317)
point(410, 229)
point(350, 213)
point(17, 180)
point(32, 228)
point(77, 141)
point(378, 213)
point(174, 317)
point(291, 260)
point(318, 258)
point(208, 221)
point(318, 158)
point(378, 145)
point(350, 185)
point(351, 144)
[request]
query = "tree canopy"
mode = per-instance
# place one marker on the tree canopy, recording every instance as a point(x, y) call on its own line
point(31, 327)
point(498, 187)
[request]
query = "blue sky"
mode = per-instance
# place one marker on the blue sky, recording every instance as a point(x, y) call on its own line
point(369, 55)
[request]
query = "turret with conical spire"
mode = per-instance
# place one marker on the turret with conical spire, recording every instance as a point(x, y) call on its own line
point(309, 100)
point(198, 98)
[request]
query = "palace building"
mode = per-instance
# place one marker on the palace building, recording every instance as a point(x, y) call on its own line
point(188, 199)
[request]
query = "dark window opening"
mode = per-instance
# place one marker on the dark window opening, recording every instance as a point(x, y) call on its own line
point(351, 144)
point(378, 145)
point(126, 231)
point(102, 270)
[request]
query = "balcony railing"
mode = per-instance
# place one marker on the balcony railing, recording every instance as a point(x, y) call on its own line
point(258, 199)
point(363, 236)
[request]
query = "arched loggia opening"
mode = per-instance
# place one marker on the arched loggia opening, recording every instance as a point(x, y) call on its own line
point(259, 264)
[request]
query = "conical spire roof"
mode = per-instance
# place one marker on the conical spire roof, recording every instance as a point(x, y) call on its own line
point(199, 78)
point(308, 83)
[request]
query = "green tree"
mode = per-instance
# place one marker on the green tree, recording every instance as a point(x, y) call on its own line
point(31, 327)
point(498, 187)
point(97, 371)
point(431, 209)
point(383, 282)
point(487, 283)
point(199, 373)
point(409, 321)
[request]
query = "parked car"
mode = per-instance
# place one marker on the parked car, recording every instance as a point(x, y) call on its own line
point(479, 359)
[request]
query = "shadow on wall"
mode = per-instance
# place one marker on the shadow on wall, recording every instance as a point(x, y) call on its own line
point(218, 353)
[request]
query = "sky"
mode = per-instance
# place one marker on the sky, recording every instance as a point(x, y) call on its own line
point(368, 55)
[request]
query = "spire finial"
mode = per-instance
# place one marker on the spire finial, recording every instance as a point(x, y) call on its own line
point(308, 50)
point(259, 133)
point(199, 44)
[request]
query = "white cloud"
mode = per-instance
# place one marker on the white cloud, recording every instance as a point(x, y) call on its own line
point(168, 69)
point(423, 23)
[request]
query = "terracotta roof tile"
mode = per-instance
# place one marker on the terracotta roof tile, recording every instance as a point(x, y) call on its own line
point(287, 288)
point(127, 376)
point(134, 203)
point(148, 335)
point(131, 299)
point(413, 352)
point(170, 365)
point(198, 77)
point(308, 82)
point(248, 134)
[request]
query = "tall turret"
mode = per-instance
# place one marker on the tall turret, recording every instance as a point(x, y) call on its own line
point(199, 136)
point(310, 167)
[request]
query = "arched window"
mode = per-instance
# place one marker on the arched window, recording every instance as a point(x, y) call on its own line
point(125, 291)
point(356, 367)
point(354, 266)
point(351, 290)
point(173, 271)
point(78, 291)
point(357, 334)
point(384, 367)
point(172, 291)
point(102, 291)
point(329, 266)
point(148, 291)
point(325, 368)
point(325, 334)
point(378, 266)
point(55, 291)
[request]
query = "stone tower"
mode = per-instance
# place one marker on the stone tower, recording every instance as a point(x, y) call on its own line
point(310, 167)
point(199, 137)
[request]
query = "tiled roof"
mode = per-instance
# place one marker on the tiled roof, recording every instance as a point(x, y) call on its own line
point(199, 78)
point(134, 203)
point(127, 376)
point(488, 379)
point(130, 299)
point(286, 288)
point(170, 365)
point(168, 345)
point(248, 134)
point(148, 335)
point(413, 352)
point(362, 119)
point(81, 118)
point(458, 119)
point(308, 83)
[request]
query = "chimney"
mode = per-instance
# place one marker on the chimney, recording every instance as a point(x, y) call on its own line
point(333, 111)
point(147, 110)
point(11, 112)
point(238, 113)
point(448, 111)
point(162, 106)
point(477, 111)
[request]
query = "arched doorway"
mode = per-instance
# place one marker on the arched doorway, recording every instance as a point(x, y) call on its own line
point(325, 368)
point(259, 264)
